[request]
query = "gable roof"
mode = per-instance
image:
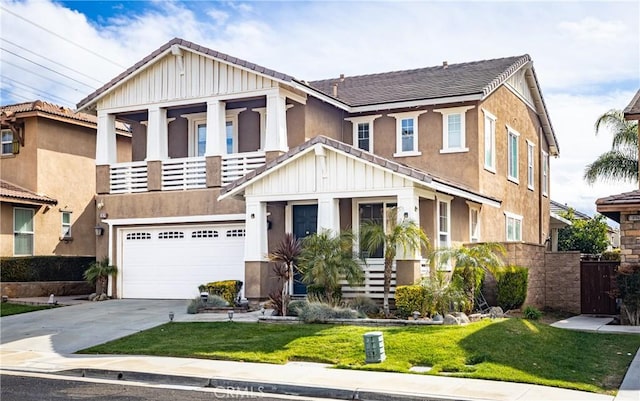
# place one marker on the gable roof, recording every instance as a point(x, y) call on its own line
point(558, 208)
point(612, 205)
point(14, 193)
point(413, 174)
point(632, 111)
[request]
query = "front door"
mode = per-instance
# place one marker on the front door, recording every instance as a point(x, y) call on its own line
point(305, 222)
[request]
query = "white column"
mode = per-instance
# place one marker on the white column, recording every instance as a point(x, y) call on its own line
point(106, 139)
point(328, 214)
point(216, 129)
point(157, 134)
point(255, 245)
point(276, 138)
point(409, 206)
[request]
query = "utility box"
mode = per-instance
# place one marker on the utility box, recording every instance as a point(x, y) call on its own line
point(374, 347)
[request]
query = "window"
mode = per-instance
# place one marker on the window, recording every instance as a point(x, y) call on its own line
point(489, 141)
point(232, 143)
point(198, 132)
point(444, 226)
point(407, 133)
point(22, 232)
point(380, 213)
point(65, 231)
point(201, 145)
point(474, 224)
point(453, 129)
point(7, 142)
point(512, 149)
point(530, 164)
point(514, 227)
point(545, 173)
point(363, 131)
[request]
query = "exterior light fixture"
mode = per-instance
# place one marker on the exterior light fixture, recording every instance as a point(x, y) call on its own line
point(416, 315)
point(230, 313)
point(262, 310)
point(99, 231)
point(171, 316)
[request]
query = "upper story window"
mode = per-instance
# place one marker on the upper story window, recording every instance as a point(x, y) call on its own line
point(65, 229)
point(530, 165)
point(545, 173)
point(453, 129)
point(512, 154)
point(23, 231)
point(363, 131)
point(198, 132)
point(489, 141)
point(514, 226)
point(407, 133)
point(7, 142)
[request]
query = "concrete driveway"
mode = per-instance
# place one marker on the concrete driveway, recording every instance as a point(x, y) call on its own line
point(65, 330)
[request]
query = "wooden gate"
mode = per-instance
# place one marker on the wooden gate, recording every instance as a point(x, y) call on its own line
point(597, 281)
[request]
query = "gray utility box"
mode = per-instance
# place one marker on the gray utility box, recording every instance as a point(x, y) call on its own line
point(374, 347)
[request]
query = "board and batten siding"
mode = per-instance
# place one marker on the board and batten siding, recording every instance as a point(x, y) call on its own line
point(333, 173)
point(203, 76)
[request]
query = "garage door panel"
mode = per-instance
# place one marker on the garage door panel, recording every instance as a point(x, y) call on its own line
point(170, 262)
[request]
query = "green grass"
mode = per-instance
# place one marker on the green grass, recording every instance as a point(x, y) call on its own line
point(7, 308)
point(506, 349)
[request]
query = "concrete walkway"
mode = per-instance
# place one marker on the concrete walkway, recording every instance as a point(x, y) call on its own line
point(45, 341)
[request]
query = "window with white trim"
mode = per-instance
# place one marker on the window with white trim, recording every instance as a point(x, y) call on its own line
point(545, 173)
point(363, 131)
point(474, 224)
point(407, 133)
point(513, 226)
point(530, 165)
point(65, 229)
point(7, 142)
point(23, 231)
point(489, 141)
point(378, 213)
point(443, 219)
point(453, 129)
point(512, 154)
point(198, 132)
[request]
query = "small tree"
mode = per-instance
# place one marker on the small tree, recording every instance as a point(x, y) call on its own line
point(470, 264)
point(98, 274)
point(405, 234)
point(284, 257)
point(584, 235)
point(327, 258)
point(628, 289)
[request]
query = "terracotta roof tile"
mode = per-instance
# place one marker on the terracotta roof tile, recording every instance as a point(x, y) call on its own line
point(12, 191)
point(632, 111)
point(626, 198)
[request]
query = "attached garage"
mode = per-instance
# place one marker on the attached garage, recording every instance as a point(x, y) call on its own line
point(170, 262)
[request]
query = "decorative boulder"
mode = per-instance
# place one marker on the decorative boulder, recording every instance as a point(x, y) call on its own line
point(462, 317)
point(496, 312)
point(451, 320)
point(475, 317)
point(437, 317)
point(93, 296)
point(102, 297)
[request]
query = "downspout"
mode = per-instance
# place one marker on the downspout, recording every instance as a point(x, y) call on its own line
point(541, 240)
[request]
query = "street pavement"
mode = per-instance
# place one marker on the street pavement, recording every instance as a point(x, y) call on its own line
point(45, 342)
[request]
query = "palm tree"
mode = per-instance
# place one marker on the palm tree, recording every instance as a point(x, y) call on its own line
point(327, 258)
point(284, 256)
point(98, 273)
point(621, 162)
point(405, 234)
point(471, 263)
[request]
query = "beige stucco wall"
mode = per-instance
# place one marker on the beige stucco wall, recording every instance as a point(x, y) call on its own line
point(323, 119)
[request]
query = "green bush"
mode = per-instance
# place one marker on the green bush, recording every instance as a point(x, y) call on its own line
point(531, 313)
point(628, 289)
point(44, 268)
point(213, 301)
point(511, 287)
point(410, 298)
point(613, 254)
point(365, 306)
point(314, 312)
point(294, 307)
point(318, 293)
point(227, 289)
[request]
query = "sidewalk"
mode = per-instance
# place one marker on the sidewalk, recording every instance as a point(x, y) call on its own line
point(35, 354)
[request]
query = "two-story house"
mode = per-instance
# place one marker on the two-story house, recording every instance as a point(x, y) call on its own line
point(227, 156)
point(47, 179)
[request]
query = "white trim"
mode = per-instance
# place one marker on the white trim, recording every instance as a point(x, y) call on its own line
point(545, 173)
point(176, 219)
point(231, 116)
point(473, 209)
point(355, 216)
point(531, 165)
point(487, 115)
point(446, 200)
point(446, 112)
point(414, 103)
point(407, 115)
point(516, 135)
point(515, 218)
point(355, 122)
point(32, 232)
point(407, 154)
point(464, 194)
point(2, 143)
point(68, 233)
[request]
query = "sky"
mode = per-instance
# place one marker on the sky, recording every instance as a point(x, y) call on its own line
point(586, 53)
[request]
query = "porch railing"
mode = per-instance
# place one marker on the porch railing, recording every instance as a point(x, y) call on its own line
point(237, 165)
point(373, 286)
point(128, 177)
point(184, 173)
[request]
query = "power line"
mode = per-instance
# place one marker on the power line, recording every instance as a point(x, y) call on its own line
point(47, 68)
point(48, 95)
point(38, 75)
point(51, 61)
point(62, 37)
point(12, 94)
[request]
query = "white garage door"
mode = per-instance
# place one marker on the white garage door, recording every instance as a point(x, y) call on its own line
point(170, 262)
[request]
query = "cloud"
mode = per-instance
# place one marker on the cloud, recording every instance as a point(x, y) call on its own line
point(594, 29)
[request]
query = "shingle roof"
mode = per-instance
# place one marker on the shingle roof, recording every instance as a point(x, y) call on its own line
point(632, 111)
point(12, 191)
point(559, 208)
point(626, 198)
point(194, 47)
point(478, 77)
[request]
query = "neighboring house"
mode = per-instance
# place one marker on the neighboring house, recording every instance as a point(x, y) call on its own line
point(613, 233)
point(227, 156)
point(624, 208)
point(47, 180)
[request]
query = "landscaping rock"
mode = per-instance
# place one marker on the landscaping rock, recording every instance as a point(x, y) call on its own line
point(437, 318)
point(462, 317)
point(496, 312)
point(475, 317)
point(93, 296)
point(451, 320)
point(102, 297)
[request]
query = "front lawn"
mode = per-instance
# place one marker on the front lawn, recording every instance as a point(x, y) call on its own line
point(505, 349)
point(7, 308)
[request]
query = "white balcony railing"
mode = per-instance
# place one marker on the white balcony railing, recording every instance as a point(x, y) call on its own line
point(185, 173)
point(373, 286)
point(128, 177)
point(237, 165)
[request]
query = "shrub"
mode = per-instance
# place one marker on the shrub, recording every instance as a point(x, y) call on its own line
point(511, 287)
point(628, 283)
point(365, 306)
point(613, 254)
point(214, 301)
point(44, 268)
point(318, 293)
point(294, 307)
point(531, 313)
point(410, 298)
point(228, 289)
point(314, 312)
point(444, 294)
